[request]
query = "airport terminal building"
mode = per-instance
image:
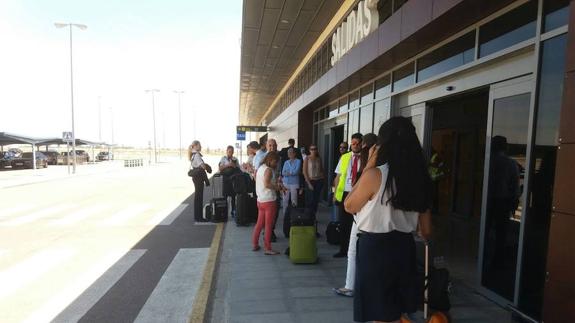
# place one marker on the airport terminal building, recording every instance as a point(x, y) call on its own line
point(464, 71)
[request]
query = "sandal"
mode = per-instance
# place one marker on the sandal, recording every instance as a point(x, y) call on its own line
point(256, 248)
point(271, 253)
point(343, 292)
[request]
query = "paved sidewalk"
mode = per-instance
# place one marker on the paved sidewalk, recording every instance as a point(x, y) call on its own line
point(252, 287)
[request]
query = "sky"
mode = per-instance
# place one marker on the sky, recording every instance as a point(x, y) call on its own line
point(130, 46)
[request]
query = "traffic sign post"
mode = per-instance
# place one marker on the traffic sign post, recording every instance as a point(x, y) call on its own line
point(67, 137)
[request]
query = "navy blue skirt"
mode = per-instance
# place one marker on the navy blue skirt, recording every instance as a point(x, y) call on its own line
point(385, 277)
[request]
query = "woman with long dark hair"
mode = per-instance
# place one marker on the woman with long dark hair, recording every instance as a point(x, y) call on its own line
point(391, 200)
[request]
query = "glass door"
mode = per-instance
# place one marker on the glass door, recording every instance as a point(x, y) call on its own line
point(503, 195)
point(420, 115)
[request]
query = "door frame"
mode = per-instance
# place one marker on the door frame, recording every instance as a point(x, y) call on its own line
point(520, 85)
point(424, 133)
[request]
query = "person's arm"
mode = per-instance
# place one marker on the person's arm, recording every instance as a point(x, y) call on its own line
point(221, 165)
point(363, 192)
point(268, 183)
point(305, 173)
point(424, 227)
point(285, 170)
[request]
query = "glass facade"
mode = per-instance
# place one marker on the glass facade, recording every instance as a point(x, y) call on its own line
point(512, 28)
point(542, 175)
point(506, 173)
point(512, 179)
point(556, 14)
point(459, 52)
point(403, 77)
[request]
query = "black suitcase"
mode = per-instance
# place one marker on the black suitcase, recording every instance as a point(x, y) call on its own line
point(217, 209)
point(332, 233)
point(243, 183)
point(435, 290)
point(297, 217)
point(246, 209)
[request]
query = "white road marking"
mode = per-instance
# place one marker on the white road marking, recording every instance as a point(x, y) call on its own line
point(4, 213)
point(30, 269)
point(126, 214)
point(82, 304)
point(172, 299)
point(61, 300)
point(38, 214)
point(168, 215)
point(79, 215)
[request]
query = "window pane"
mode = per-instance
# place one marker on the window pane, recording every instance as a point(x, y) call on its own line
point(342, 104)
point(506, 173)
point(511, 28)
point(366, 119)
point(556, 14)
point(381, 113)
point(403, 77)
point(458, 52)
point(315, 116)
point(366, 94)
point(536, 232)
point(382, 87)
point(332, 110)
point(354, 100)
point(385, 10)
point(353, 124)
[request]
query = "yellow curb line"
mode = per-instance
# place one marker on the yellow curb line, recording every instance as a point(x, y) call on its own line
point(198, 314)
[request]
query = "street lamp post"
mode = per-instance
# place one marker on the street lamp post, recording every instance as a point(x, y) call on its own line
point(100, 119)
point(154, 121)
point(81, 27)
point(179, 93)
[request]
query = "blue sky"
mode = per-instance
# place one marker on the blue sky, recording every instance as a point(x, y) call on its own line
point(129, 46)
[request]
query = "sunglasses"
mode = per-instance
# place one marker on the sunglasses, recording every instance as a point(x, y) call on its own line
point(342, 147)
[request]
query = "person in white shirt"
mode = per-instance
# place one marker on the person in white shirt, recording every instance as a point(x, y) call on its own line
point(196, 161)
point(229, 166)
point(260, 154)
point(266, 189)
point(391, 201)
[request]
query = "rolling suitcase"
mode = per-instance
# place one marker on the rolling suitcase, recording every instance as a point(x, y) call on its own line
point(217, 209)
point(302, 237)
point(332, 232)
point(245, 209)
point(432, 285)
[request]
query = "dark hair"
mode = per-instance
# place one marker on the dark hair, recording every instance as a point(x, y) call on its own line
point(263, 141)
point(357, 135)
point(254, 145)
point(291, 141)
point(369, 140)
point(498, 144)
point(408, 182)
point(230, 147)
point(270, 156)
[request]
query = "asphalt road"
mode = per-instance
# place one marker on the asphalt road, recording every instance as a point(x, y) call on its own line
point(109, 244)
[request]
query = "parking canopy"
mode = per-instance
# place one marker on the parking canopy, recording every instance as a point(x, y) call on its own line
point(12, 139)
point(59, 141)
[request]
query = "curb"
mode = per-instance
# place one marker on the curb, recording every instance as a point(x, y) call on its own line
point(198, 314)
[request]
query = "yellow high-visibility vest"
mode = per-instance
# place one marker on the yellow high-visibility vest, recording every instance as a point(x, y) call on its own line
point(344, 163)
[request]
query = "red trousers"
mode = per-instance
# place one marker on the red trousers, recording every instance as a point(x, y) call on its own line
point(266, 217)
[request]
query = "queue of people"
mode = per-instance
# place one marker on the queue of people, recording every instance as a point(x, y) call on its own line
point(384, 195)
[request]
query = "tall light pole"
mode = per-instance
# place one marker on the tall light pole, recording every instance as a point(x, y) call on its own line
point(81, 27)
point(179, 93)
point(100, 119)
point(112, 122)
point(154, 121)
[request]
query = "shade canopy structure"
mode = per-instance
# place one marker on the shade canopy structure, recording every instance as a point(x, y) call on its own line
point(7, 138)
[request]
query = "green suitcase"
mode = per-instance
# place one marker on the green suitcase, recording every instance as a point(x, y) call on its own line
point(302, 245)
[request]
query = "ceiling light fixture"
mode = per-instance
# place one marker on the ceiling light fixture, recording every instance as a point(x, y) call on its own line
point(284, 21)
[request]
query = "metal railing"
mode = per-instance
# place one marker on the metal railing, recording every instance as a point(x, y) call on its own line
point(133, 162)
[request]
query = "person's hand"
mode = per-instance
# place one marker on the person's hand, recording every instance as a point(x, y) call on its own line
point(309, 186)
point(372, 157)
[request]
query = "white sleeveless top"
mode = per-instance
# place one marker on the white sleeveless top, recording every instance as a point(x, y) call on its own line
point(264, 194)
point(376, 217)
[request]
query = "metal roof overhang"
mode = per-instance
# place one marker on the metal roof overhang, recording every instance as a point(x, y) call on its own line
point(12, 139)
point(276, 37)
